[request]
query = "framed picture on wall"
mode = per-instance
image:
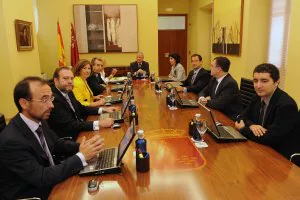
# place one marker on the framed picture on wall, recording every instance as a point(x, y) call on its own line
point(106, 28)
point(24, 35)
point(227, 27)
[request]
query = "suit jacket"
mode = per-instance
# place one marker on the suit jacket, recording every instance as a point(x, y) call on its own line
point(226, 99)
point(94, 83)
point(200, 81)
point(64, 121)
point(82, 91)
point(24, 167)
point(281, 121)
point(134, 67)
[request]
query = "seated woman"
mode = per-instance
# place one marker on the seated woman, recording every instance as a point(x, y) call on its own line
point(98, 80)
point(177, 72)
point(81, 89)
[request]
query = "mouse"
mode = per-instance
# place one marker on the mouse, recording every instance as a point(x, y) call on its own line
point(116, 125)
point(218, 123)
point(107, 104)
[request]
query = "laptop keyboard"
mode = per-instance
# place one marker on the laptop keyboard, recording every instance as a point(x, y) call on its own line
point(114, 115)
point(224, 133)
point(105, 159)
point(189, 102)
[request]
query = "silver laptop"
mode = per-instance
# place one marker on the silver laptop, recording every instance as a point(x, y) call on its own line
point(220, 133)
point(118, 98)
point(109, 160)
point(185, 103)
point(118, 116)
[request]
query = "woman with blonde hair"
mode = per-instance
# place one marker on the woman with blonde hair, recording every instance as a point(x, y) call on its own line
point(81, 89)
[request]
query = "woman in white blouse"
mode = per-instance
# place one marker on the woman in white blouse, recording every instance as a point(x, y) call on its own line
point(177, 72)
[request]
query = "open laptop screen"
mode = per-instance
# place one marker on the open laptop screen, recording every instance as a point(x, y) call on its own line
point(125, 142)
point(210, 122)
point(178, 98)
point(125, 105)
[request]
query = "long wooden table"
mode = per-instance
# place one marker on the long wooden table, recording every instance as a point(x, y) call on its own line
point(178, 170)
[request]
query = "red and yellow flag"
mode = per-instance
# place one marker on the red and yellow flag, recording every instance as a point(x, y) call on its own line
point(74, 47)
point(61, 48)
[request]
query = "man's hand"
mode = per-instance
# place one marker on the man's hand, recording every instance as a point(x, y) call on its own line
point(240, 125)
point(258, 130)
point(105, 123)
point(179, 89)
point(90, 148)
point(202, 100)
point(140, 71)
point(100, 102)
point(109, 109)
point(114, 71)
point(208, 98)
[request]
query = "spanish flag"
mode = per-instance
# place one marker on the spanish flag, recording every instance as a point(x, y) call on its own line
point(61, 48)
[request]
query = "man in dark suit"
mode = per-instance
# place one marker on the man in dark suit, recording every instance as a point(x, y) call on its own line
point(27, 168)
point(222, 92)
point(198, 77)
point(139, 67)
point(272, 116)
point(68, 116)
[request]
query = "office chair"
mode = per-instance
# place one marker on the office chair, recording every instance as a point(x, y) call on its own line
point(246, 91)
point(295, 158)
point(2, 122)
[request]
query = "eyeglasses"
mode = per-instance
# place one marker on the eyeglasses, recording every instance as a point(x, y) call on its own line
point(44, 99)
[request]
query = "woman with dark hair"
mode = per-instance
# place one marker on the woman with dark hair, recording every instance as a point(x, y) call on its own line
point(81, 89)
point(177, 72)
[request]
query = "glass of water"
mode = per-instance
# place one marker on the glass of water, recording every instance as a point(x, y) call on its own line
point(172, 99)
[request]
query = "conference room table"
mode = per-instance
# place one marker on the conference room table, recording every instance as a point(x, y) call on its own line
point(180, 170)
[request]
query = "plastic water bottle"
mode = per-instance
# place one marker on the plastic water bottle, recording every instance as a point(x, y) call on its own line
point(133, 112)
point(197, 126)
point(141, 143)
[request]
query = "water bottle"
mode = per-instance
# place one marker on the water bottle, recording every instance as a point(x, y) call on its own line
point(133, 112)
point(158, 85)
point(141, 143)
point(152, 78)
point(191, 128)
point(129, 75)
point(197, 125)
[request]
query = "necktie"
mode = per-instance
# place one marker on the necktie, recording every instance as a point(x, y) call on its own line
point(261, 113)
point(193, 78)
point(139, 65)
point(214, 88)
point(40, 133)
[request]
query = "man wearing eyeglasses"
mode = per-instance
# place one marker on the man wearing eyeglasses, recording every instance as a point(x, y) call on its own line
point(27, 168)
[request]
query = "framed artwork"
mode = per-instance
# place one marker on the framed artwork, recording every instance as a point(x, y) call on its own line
point(227, 27)
point(106, 28)
point(24, 36)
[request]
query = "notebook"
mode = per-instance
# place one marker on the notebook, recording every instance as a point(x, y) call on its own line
point(109, 160)
point(118, 116)
point(185, 103)
point(220, 133)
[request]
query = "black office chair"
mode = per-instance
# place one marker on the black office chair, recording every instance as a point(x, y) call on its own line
point(295, 158)
point(246, 91)
point(2, 122)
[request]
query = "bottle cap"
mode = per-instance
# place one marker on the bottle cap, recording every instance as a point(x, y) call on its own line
point(132, 101)
point(198, 115)
point(141, 131)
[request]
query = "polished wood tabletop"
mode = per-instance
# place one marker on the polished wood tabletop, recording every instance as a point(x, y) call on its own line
point(179, 170)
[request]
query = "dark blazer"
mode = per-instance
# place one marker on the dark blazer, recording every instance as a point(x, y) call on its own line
point(24, 167)
point(281, 121)
point(95, 84)
point(200, 81)
point(134, 67)
point(226, 99)
point(64, 121)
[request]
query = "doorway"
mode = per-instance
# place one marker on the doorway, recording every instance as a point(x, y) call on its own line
point(172, 38)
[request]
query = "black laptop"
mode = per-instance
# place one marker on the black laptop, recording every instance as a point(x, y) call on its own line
point(185, 103)
point(118, 98)
point(220, 133)
point(109, 160)
point(118, 116)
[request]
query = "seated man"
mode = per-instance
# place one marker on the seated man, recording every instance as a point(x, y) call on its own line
point(272, 116)
point(68, 116)
point(198, 77)
point(222, 91)
point(139, 67)
point(97, 79)
point(27, 168)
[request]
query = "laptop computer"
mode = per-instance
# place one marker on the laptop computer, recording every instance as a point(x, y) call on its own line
point(165, 79)
point(118, 79)
point(185, 103)
point(118, 116)
point(116, 88)
point(109, 160)
point(220, 133)
point(116, 99)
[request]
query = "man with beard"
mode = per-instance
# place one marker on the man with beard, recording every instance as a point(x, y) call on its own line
point(27, 168)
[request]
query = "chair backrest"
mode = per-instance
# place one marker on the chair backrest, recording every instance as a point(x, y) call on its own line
point(295, 158)
point(246, 91)
point(2, 122)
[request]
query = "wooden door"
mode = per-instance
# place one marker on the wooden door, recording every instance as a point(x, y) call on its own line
point(171, 41)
